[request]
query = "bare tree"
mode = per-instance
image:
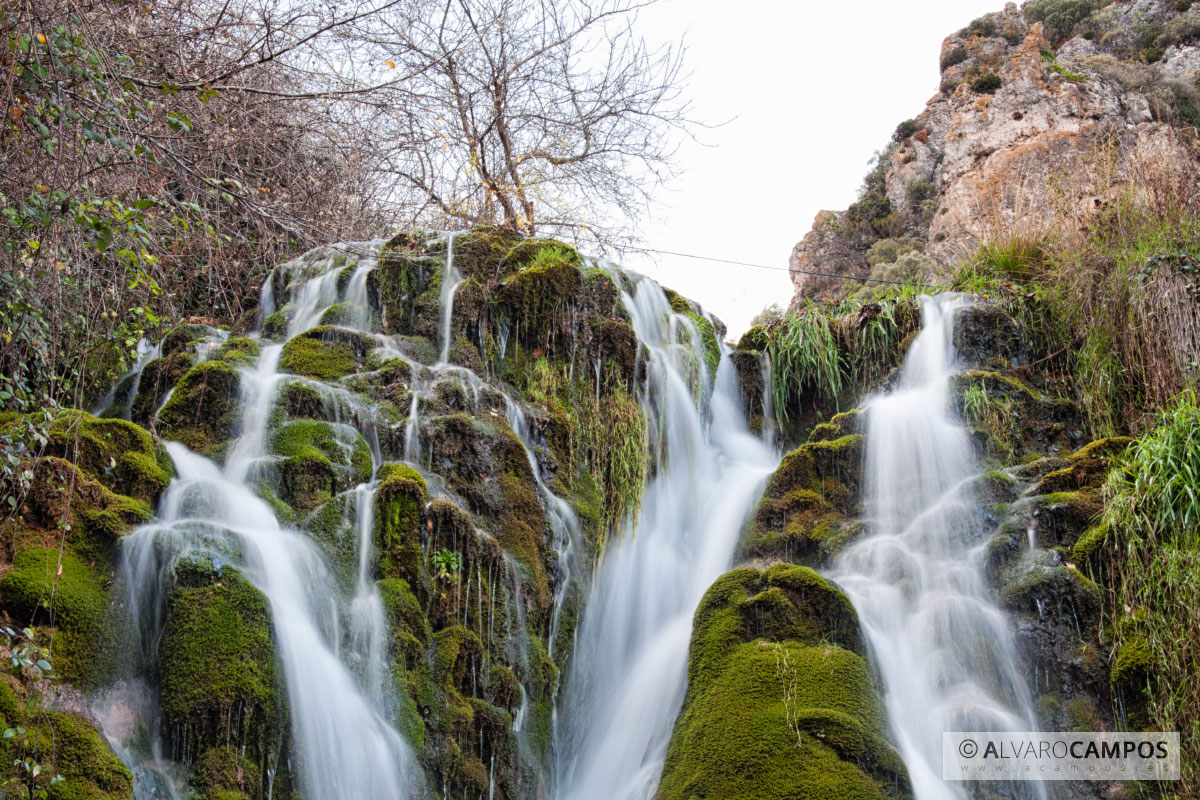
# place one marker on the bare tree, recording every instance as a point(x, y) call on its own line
point(532, 114)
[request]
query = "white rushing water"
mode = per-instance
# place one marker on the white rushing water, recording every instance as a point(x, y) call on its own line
point(629, 657)
point(943, 647)
point(629, 665)
point(344, 745)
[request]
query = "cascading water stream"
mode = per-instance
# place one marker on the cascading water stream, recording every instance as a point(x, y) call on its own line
point(630, 659)
point(451, 278)
point(943, 647)
point(345, 747)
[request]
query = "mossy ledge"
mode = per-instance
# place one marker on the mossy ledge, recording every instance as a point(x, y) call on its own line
point(780, 701)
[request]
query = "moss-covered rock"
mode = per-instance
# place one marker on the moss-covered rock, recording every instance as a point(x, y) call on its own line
point(203, 410)
point(780, 701)
point(326, 353)
point(1045, 589)
point(218, 683)
point(120, 455)
point(1063, 517)
point(399, 517)
point(74, 600)
point(221, 774)
point(239, 352)
point(157, 380)
point(182, 338)
point(807, 501)
point(64, 744)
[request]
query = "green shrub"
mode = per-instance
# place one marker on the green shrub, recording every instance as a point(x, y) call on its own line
point(885, 251)
point(1059, 17)
point(905, 129)
point(982, 26)
point(986, 83)
point(913, 266)
point(954, 57)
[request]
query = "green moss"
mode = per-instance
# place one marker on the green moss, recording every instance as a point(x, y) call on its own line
point(203, 410)
point(403, 609)
point(75, 603)
point(325, 353)
point(342, 446)
point(182, 337)
point(754, 339)
point(839, 425)
point(220, 774)
point(1111, 446)
point(90, 769)
point(319, 460)
point(1090, 545)
point(119, 454)
point(275, 326)
point(1134, 663)
point(806, 499)
point(299, 400)
point(217, 657)
point(339, 314)
point(157, 379)
point(239, 352)
point(539, 298)
point(399, 512)
point(1050, 591)
point(480, 252)
point(774, 709)
point(708, 341)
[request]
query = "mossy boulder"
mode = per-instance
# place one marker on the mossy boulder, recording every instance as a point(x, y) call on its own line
point(326, 353)
point(399, 519)
point(74, 601)
point(1050, 590)
point(239, 352)
point(93, 516)
point(780, 700)
point(1085, 469)
point(479, 253)
point(218, 682)
point(157, 379)
point(203, 410)
point(807, 502)
point(64, 744)
point(221, 774)
point(319, 460)
point(1063, 517)
point(183, 337)
point(407, 281)
point(839, 425)
point(120, 455)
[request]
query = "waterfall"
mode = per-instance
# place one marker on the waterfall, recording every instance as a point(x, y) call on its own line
point(344, 746)
point(629, 665)
point(943, 647)
point(450, 282)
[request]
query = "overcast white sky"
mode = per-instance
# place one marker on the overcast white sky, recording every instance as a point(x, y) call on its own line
point(816, 88)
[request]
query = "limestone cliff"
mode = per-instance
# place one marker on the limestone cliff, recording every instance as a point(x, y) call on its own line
point(1043, 115)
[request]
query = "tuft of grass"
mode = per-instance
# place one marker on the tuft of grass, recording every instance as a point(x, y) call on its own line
point(804, 356)
point(1152, 520)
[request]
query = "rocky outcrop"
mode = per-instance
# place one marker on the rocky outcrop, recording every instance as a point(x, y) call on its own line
point(780, 700)
point(1035, 125)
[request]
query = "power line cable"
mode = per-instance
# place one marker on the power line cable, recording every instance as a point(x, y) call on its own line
point(763, 266)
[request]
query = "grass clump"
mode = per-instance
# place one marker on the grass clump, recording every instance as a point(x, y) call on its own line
point(1150, 533)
